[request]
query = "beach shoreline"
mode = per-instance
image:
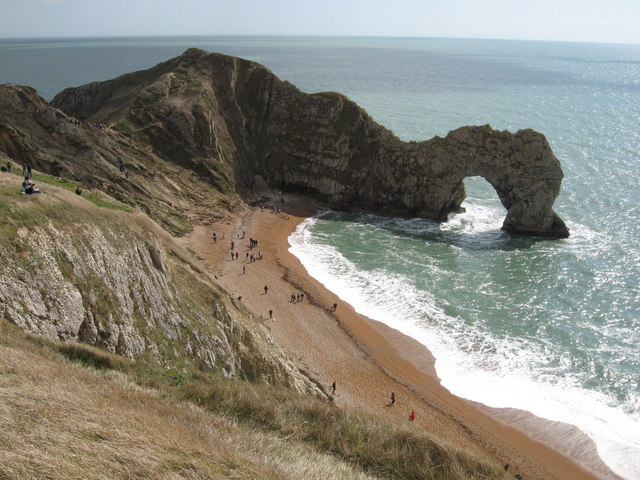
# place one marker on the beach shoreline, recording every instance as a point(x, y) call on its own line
point(366, 358)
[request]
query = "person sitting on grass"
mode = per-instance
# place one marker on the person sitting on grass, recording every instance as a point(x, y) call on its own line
point(29, 187)
point(78, 190)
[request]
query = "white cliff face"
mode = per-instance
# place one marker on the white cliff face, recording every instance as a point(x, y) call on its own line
point(125, 291)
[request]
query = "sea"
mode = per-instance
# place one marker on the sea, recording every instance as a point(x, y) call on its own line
point(551, 327)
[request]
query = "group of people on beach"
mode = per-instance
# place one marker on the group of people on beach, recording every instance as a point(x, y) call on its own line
point(249, 257)
point(295, 297)
point(214, 237)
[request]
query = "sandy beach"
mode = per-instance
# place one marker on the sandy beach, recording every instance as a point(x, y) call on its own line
point(366, 359)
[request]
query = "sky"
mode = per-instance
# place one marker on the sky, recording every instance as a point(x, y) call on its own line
point(616, 21)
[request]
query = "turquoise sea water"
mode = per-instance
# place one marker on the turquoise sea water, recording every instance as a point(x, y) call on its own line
point(549, 326)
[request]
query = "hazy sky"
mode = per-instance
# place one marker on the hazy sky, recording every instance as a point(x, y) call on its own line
point(579, 20)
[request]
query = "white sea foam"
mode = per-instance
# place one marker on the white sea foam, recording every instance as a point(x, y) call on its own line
point(498, 372)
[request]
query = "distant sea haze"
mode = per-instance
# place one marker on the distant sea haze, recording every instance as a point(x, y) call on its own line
point(548, 326)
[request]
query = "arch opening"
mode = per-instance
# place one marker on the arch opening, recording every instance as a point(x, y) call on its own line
point(481, 209)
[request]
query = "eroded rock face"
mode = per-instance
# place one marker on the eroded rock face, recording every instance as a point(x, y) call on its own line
point(207, 110)
point(227, 120)
point(102, 280)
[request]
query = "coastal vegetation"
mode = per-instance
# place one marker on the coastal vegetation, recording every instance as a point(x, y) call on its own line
point(160, 411)
point(75, 411)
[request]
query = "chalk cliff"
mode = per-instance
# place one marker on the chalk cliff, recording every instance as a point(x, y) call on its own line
point(231, 120)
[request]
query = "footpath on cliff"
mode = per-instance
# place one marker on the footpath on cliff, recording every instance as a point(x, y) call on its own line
point(366, 360)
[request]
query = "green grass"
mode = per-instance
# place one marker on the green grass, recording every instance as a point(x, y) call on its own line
point(124, 128)
point(97, 198)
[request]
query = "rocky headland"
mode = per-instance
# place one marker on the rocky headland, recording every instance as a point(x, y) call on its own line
point(239, 128)
point(181, 150)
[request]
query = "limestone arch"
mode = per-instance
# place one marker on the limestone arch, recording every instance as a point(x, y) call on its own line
point(522, 170)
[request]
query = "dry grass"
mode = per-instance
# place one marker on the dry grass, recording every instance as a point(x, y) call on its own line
point(72, 411)
point(61, 420)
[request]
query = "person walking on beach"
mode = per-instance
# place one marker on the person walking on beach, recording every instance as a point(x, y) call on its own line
point(266, 290)
point(244, 269)
point(232, 244)
point(215, 239)
point(412, 416)
point(270, 313)
point(333, 388)
point(393, 398)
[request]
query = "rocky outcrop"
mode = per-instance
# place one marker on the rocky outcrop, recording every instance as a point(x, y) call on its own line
point(229, 120)
point(75, 272)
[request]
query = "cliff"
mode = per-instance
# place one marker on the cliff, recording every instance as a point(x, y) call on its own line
point(77, 272)
point(233, 122)
point(199, 128)
point(190, 140)
point(34, 133)
point(187, 142)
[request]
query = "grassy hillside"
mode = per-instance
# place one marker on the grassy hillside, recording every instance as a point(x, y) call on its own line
point(88, 269)
point(73, 411)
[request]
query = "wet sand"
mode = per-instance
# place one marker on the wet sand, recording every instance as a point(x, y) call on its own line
point(366, 359)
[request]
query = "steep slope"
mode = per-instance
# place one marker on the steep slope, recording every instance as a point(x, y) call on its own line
point(72, 271)
point(71, 411)
point(234, 122)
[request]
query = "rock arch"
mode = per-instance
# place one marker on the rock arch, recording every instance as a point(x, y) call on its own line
point(522, 170)
point(321, 144)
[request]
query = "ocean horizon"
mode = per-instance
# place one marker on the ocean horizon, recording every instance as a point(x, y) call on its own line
point(547, 326)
